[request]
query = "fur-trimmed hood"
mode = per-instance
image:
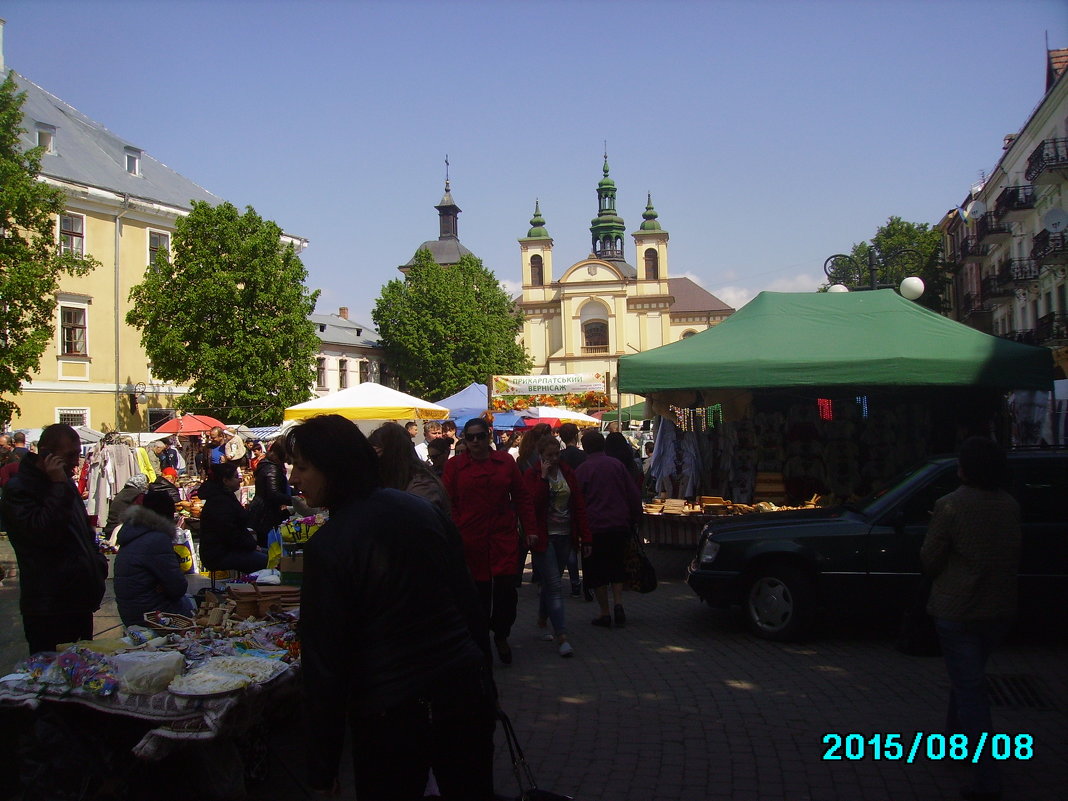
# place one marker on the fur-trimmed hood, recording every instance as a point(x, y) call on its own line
point(138, 520)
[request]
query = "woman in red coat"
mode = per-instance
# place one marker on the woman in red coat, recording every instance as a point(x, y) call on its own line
point(487, 494)
point(560, 511)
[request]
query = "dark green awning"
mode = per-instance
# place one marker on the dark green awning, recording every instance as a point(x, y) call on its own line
point(825, 339)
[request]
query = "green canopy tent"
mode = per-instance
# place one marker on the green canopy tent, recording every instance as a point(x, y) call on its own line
point(832, 339)
point(636, 411)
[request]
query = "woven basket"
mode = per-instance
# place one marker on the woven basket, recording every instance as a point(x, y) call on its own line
point(174, 622)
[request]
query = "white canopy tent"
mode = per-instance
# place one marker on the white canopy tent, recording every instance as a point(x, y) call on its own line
point(369, 402)
point(558, 413)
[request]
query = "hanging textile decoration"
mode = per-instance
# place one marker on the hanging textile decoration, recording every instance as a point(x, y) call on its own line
point(826, 407)
point(700, 419)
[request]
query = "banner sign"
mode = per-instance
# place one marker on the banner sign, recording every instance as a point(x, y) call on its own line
point(548, 384)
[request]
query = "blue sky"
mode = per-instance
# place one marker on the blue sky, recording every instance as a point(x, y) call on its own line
point(771, 134)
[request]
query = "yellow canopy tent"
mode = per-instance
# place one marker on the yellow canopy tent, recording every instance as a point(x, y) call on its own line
point(368, 402)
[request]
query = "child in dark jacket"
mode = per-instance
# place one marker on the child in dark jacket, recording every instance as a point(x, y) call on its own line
point(148, 575)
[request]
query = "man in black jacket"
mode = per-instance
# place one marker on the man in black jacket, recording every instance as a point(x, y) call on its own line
point(61, 570)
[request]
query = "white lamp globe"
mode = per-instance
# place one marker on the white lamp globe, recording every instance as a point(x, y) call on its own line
point(912, 287)
point(838, 288)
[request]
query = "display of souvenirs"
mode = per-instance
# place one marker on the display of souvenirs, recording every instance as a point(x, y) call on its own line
point(75, 669)
point(301, 529)
point(170, 658)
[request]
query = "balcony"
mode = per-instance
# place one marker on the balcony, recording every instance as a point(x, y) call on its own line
point(1014, 203)
point(1052, 329)
point(995, 286)
point(1025, 336)
point(991, 229)
point(1018, 270)
point(593, 350)
point(1047, 162)
point(971, 302)
point(972, 250)
point(1047, 248)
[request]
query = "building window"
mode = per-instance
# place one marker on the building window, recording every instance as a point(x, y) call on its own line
point(595, 334)
point(46, 137)
point(537, 275)
point(320, 373)
point(687, 334)
point(73, 417)
point(365, 371)
point(343, 373)
point(158, 241)
point(133, 161)
point(72, 331)
point(72, 234)
point(652, 264)
point(157, 417)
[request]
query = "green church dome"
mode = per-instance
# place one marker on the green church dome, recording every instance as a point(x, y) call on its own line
point(537, 224)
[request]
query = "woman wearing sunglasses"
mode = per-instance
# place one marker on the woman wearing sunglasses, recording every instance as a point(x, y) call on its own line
point(488, 499)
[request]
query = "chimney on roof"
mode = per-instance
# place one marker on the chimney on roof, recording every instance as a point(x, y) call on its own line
point(3, 67)
point(343, 312)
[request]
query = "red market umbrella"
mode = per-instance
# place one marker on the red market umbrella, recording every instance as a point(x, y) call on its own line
point(189, 424)
point(530, 422)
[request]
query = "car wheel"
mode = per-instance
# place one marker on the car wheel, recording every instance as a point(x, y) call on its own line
point(778, 603)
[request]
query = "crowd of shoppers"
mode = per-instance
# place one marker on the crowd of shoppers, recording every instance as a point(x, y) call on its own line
point(414, 572)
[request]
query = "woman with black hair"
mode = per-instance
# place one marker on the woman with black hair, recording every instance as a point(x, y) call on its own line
point(400, 468)
point(393, 640)
point(270, 506)
point(226, 541)
point(616, 446)
point(148, 575)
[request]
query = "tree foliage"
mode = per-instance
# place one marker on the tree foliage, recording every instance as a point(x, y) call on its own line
point(226, 313)
point(444, 327)
point(901, 249)
point(31, 261)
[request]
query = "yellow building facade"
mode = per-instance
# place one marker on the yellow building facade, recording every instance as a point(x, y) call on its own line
point(602, 307)
point(120, 207)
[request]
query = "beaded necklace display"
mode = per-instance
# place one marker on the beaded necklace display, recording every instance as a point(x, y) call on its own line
point(700, 419)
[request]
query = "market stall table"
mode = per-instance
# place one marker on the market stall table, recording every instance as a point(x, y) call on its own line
point(173, 719)
point(197, 692)
point(673, 531)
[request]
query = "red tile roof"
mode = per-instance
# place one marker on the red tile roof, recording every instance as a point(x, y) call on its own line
point(1058, 63)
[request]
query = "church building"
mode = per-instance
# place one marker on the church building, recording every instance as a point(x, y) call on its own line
point(602, 307)
point(447, 249)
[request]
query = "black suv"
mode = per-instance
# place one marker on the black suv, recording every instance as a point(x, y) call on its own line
point(783, 568)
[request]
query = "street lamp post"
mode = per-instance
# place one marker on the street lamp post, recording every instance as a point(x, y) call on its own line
point(138, 396)
point(910, 288)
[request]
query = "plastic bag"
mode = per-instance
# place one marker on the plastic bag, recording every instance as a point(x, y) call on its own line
point(148, 672)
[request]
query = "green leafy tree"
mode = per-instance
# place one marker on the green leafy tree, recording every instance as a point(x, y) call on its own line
point(31, 259)
point(444, 327)
point(226, 313)
point(901, 249)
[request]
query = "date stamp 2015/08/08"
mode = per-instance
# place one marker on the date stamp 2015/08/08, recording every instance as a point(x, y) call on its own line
point(894, 746)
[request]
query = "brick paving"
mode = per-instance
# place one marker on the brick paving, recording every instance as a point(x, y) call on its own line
point(682, 704)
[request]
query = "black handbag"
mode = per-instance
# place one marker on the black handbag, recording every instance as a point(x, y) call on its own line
point(641, 575)
point(524, 776)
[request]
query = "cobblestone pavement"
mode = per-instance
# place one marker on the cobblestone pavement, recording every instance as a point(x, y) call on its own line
point(683, 704)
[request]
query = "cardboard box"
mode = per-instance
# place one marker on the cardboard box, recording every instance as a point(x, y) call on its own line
point(292, 569)
point(291, 564)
